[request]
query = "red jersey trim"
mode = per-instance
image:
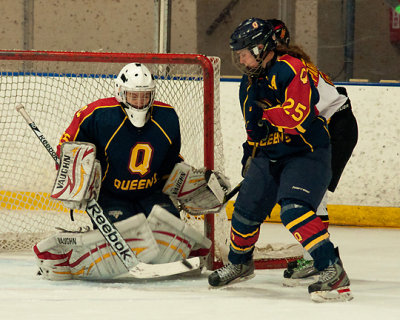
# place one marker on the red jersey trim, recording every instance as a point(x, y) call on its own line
point(161, 104)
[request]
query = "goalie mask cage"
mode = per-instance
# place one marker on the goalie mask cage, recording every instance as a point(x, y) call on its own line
point(53, 86)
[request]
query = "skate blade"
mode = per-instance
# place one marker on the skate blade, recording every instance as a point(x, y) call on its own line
point(338, 295)
point(301, 282)
point(233, 282)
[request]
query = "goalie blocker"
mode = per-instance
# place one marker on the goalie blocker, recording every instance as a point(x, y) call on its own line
point(79, 176)
point(196, 191)
point(160, 239)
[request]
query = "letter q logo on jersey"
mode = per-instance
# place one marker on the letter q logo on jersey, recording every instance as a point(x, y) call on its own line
point(74, 175)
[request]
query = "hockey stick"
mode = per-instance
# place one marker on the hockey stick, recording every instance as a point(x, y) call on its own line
point(106, 228)
point(147, 271)
point(232, 193)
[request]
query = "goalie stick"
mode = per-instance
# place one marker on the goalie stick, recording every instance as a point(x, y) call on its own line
point(147, 271)
point(135, 268)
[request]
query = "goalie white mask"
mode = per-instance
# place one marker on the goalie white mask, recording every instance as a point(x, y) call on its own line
point(135, 89)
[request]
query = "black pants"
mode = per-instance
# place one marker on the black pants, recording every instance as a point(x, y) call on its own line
point(344, 135)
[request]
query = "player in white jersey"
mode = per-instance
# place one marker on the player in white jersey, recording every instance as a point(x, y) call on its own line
point(334, 105)
point(330, 100)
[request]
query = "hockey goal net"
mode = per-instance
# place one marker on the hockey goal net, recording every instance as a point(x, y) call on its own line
point(52, 86)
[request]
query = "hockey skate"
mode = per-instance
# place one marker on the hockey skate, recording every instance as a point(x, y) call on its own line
point(299, 273)
point(332, 285)
point(231, 273)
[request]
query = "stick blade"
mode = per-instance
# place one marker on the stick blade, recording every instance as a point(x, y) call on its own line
point(149, 271)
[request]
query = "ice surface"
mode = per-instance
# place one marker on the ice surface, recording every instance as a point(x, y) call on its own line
point(370, 256)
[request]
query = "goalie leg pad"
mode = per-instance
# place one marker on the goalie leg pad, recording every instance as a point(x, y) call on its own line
point(51, 262)
point(87, 255)
point(175, 238)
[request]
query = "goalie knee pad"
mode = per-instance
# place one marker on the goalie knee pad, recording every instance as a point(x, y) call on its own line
point(71, 255)
point(176, 239)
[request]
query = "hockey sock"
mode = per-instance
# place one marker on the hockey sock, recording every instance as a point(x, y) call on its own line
point(309, 230)
point(244, 235)
point(325, 221)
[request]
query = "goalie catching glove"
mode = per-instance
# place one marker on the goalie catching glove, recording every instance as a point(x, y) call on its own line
point(196, 191)
point(79, 175)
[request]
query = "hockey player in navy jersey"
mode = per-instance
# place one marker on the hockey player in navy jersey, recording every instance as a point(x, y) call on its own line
point(335, 106)
point(292, 166)
point(121, 151)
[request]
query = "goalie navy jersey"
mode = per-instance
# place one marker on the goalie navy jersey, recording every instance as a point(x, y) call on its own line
point(133, 160)
point(284, 96)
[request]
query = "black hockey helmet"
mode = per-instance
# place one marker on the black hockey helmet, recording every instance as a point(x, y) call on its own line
point(281, 31)
point(252, 32)
point(249, 35)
